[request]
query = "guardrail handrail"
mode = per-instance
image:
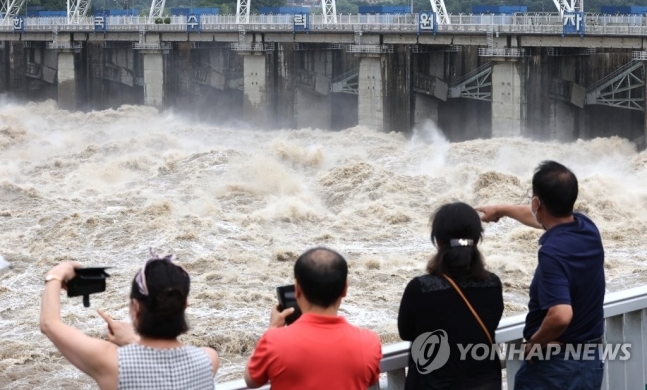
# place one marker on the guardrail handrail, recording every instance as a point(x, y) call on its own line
point(395, 356)
point(613, 74)
point(472, 73)
point(345, 75)
point(530, 23)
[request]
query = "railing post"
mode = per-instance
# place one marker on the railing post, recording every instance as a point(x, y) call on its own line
point(634, 336)
point(644, 345)
point(514, 356)
point(616, 371)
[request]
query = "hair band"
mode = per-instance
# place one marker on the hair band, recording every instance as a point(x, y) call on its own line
point(461, 242)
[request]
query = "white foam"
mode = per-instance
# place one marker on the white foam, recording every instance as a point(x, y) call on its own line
point(3, 263)
point(238, 205)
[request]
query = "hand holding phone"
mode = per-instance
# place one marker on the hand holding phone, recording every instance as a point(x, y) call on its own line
point(287, 299)
point(278, 318)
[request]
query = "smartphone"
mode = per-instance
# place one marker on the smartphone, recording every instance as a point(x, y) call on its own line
point(287, 298)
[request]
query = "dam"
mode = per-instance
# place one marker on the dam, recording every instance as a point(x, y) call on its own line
point(479, 76)
point(101, 163)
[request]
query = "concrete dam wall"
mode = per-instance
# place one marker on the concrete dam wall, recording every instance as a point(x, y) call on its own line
point(545, 93)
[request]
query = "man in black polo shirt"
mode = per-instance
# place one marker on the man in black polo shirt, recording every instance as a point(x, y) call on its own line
point(567, 290)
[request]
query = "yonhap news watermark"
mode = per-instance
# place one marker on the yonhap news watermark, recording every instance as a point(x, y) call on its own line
point(431, 350)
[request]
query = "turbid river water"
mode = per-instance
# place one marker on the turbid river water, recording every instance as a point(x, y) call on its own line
point(238, 205)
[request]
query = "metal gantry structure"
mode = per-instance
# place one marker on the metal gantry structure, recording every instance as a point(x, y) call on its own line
point(76, 9)
point(157, 9)
point(242, 11)
point(624, 88)
point(329, 9)
point(569, 6)
point(10, 8)
point(438, 6)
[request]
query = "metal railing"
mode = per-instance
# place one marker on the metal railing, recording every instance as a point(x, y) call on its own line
point(501, 52)
point(256, 46)
point(152, 45)
point(374, 49)
point(529, 23)
point(633, 63)
point(346, 75)
point(472, 74)
point(626, 322)
point(65, 45)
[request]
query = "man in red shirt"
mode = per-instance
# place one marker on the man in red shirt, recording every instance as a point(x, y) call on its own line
point(320, 350)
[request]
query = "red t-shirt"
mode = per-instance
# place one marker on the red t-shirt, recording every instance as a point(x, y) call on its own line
point(317, 352)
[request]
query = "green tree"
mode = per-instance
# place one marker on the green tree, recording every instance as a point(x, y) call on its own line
point(346, 7)
point(256, 4)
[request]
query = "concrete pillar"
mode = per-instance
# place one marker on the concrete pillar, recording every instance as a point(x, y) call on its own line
point(154, 79)
point(255, 89)
point(507, 91)
point(425, 108)
point(370, 93)
point(66, 81)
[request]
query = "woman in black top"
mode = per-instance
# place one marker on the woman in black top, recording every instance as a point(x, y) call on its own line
point(432, 306)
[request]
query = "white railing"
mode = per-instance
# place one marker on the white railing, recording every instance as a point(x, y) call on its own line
point(529, 23)
point(375, 49)
point(539, 23)
point(151, 45)
point(501, 52)
point(65, 45)
point(626, 322)
point(241, 46)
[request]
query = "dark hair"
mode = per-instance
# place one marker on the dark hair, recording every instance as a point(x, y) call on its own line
point(321, 273)
point(556, 187)
point(452, 222)
point(161, 312)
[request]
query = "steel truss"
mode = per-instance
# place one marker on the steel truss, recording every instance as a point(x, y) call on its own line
point(570, 6)
point(438, 6)
point(157, 9)
point(76, 9)
point(346, 83)
point(474, 85)
point(242, 11)
point(10, 9)
point(329, 9)
point(624, 88)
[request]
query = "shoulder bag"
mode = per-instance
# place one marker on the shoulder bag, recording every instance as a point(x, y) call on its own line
point(470, 307)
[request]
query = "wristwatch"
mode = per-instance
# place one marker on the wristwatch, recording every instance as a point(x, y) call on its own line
point(51, 277)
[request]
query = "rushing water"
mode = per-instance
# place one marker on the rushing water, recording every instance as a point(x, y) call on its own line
point(238, 205)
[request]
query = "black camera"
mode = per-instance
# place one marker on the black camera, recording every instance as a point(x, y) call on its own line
point(87, 281)
point(287, 298)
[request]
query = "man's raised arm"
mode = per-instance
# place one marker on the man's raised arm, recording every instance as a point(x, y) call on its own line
point(521, 213)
